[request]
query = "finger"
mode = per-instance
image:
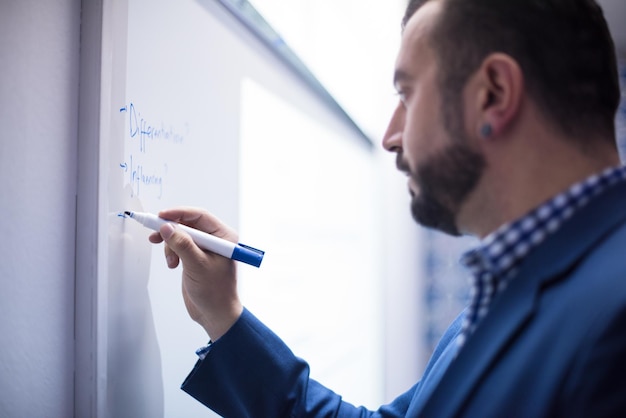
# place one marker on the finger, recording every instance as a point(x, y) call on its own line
point(155, 238)
point(180, 246)
point(199, 219)
point(171, 258)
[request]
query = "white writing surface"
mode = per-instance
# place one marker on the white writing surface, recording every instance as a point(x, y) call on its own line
point(174, 74)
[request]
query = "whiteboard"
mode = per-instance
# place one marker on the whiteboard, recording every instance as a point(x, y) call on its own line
point(182, 85)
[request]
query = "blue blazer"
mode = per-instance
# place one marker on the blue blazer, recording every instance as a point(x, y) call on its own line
point(552, 345)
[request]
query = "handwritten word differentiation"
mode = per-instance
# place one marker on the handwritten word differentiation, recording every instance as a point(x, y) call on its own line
point(144, 130)
point(146, 171)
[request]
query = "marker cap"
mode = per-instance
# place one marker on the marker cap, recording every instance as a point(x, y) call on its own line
point(248, 255)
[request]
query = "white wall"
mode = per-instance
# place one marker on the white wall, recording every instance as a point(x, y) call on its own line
point(39, 50)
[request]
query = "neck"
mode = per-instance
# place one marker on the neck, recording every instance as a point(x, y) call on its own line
point(525, 176)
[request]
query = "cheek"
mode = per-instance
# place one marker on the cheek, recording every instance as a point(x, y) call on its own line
point(413, 148)
point(423, 135)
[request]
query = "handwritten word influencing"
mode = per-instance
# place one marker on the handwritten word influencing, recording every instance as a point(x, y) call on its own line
point(141, 177)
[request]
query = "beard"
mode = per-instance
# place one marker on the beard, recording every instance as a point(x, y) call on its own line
point(444, 180)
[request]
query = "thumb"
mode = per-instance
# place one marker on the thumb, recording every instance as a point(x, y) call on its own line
point(166, 230)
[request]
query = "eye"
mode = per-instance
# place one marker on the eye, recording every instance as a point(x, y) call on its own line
point(402, 96)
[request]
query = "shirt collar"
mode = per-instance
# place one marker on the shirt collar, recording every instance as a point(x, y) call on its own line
point(495, 262)
point(502, 250)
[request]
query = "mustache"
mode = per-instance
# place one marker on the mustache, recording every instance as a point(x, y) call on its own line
point(401, 164)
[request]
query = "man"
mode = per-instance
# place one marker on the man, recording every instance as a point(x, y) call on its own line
point(505, 130)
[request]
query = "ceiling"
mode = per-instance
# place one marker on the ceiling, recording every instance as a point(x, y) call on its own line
point(615, 13)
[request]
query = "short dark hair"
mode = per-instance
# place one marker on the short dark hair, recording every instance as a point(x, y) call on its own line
point(563, 47)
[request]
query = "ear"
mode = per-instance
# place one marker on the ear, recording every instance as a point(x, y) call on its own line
point(500, 84)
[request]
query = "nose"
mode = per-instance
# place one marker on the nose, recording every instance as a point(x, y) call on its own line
point(392, 140)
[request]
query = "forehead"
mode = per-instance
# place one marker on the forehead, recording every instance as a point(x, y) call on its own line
point(415, 48)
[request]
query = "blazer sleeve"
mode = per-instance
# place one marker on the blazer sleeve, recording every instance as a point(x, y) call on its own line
point(250, 372)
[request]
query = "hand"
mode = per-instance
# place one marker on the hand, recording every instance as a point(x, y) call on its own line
point(209, 281)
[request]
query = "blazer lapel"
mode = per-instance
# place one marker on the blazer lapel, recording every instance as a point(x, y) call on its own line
point(515, 306)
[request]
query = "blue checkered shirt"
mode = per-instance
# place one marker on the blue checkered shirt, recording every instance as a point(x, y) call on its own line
point(495, 262)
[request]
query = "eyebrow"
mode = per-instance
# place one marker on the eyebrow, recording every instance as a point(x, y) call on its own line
point(400, 75)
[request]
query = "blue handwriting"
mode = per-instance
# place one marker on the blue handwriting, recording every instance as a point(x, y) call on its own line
point(146, 131)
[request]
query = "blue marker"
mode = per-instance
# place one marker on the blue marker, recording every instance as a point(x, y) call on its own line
point(205, 241)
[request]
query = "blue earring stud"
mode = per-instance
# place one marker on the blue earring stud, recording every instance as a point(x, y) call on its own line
point(486, 130)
